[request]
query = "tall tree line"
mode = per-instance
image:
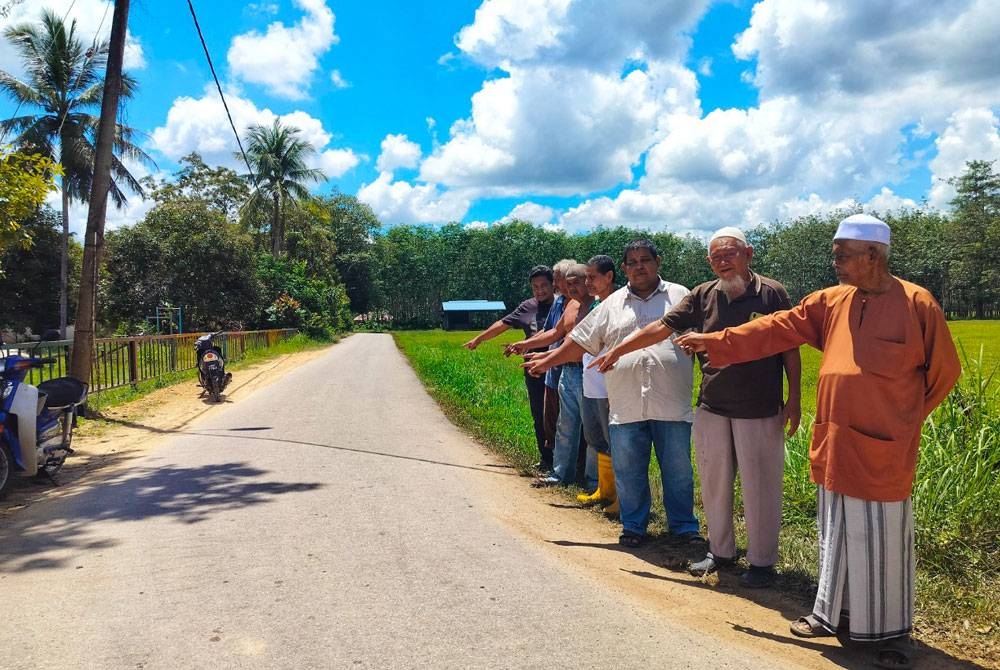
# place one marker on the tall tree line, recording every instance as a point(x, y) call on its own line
point(951, 254)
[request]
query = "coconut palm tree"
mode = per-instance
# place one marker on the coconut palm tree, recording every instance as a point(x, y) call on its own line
point(63, 84)
point(277, 156)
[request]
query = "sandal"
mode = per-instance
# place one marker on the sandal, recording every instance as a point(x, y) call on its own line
point(631, 540)
point(894, 654)
point(809, 626)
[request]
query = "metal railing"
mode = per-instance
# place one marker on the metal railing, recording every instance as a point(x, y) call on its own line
point(126, 361)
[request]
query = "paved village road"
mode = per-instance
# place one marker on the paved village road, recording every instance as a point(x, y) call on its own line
point(334, 519)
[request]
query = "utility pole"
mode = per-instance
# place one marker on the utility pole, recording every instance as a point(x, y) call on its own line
point(93, 248)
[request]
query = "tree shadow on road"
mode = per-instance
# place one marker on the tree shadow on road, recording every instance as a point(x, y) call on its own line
point(50, 538)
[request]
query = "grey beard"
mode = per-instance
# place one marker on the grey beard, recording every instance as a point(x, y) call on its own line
point(735, 287)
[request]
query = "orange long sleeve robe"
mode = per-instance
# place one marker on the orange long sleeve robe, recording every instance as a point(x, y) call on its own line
point(888, 361)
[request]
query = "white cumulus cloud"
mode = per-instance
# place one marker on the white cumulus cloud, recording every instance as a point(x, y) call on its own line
point(402, 203)
point(284, 58)
point(201, 125)
point(398, 152)
point(971, 134)
point(531, 212)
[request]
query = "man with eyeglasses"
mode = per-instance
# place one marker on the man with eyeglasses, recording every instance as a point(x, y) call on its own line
point(649, 397)
point(888, 361)
point(741, 413)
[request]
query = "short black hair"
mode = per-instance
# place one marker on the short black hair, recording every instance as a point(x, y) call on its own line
point(540, 271)
point(636, 245)
point(603, 264)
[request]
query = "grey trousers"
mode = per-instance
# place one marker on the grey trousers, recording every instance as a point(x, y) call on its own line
point(866, 565)
point(755, 447)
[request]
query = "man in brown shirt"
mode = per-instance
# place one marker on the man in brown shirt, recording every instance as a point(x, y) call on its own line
point(888, 361)
point(741, 412)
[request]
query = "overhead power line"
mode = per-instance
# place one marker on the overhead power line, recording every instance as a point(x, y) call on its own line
point(232, 125)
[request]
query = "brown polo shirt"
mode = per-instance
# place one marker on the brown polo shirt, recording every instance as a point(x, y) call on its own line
point(750, 390)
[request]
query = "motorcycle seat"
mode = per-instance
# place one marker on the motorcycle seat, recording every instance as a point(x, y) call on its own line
point(63, 392)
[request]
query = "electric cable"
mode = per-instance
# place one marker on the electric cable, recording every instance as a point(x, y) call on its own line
point(221, 95)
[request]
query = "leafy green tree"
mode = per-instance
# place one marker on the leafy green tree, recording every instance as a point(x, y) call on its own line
point(29, 290)
point(277, 157)
point(975, 235)
point(354, 226)
point(296, 299)
point(64, 83)
point(798, 254)
point(220, 188)
point(25, 180)
point(187, 254)
point(918, 251)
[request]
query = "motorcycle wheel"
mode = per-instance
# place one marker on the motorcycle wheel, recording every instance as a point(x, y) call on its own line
point(6, 467)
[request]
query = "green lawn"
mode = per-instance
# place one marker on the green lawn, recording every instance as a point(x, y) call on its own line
point(956, 495)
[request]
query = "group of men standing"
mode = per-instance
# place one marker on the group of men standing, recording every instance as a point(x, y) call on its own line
point(888, 361)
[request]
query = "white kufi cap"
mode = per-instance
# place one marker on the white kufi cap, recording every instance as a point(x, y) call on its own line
point(863, 227)
point(729, 231)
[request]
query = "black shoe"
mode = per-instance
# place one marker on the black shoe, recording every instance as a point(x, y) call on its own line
point(710, 564)
point(758, 577)
point(692, 537)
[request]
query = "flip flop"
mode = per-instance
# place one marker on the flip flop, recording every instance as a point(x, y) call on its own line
point(894, 654)
point(809, 626)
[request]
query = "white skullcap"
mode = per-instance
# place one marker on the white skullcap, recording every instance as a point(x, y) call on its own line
point(729, 231)
point(863, 227)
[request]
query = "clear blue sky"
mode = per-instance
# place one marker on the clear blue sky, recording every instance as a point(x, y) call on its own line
point(682, 115)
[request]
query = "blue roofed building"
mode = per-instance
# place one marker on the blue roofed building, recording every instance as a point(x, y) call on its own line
point(470, 314)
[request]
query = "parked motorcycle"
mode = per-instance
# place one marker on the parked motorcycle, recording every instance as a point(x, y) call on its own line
point(36, 422)
point(212, 375)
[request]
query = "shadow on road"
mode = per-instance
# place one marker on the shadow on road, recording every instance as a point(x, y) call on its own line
point(187, 494)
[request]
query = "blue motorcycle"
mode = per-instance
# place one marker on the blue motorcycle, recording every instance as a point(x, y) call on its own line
point(36, 422)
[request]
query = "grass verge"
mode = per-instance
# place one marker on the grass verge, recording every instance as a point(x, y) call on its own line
point(956, 495)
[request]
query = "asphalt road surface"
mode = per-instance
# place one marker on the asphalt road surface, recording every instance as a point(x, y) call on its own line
point(334, 519)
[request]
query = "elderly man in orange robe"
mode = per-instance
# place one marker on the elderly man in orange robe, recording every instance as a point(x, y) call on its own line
point(888, 361)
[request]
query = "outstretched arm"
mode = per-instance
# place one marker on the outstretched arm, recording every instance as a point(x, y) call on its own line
point(655, 332)
point(536, 341)
point(566, 352)
point(488, 334)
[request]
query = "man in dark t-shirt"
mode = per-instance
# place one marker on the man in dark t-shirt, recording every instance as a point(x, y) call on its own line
point(741, 414)
point(529, 317)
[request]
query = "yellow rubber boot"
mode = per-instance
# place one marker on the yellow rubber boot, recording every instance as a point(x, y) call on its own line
point(606, 483)
point(592, 499)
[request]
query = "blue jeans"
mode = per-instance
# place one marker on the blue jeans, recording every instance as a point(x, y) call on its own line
point(630, 451)
point(595, 432)
point(569, 426)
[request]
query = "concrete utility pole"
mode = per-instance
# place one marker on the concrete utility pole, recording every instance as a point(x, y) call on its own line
point(93, 248)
